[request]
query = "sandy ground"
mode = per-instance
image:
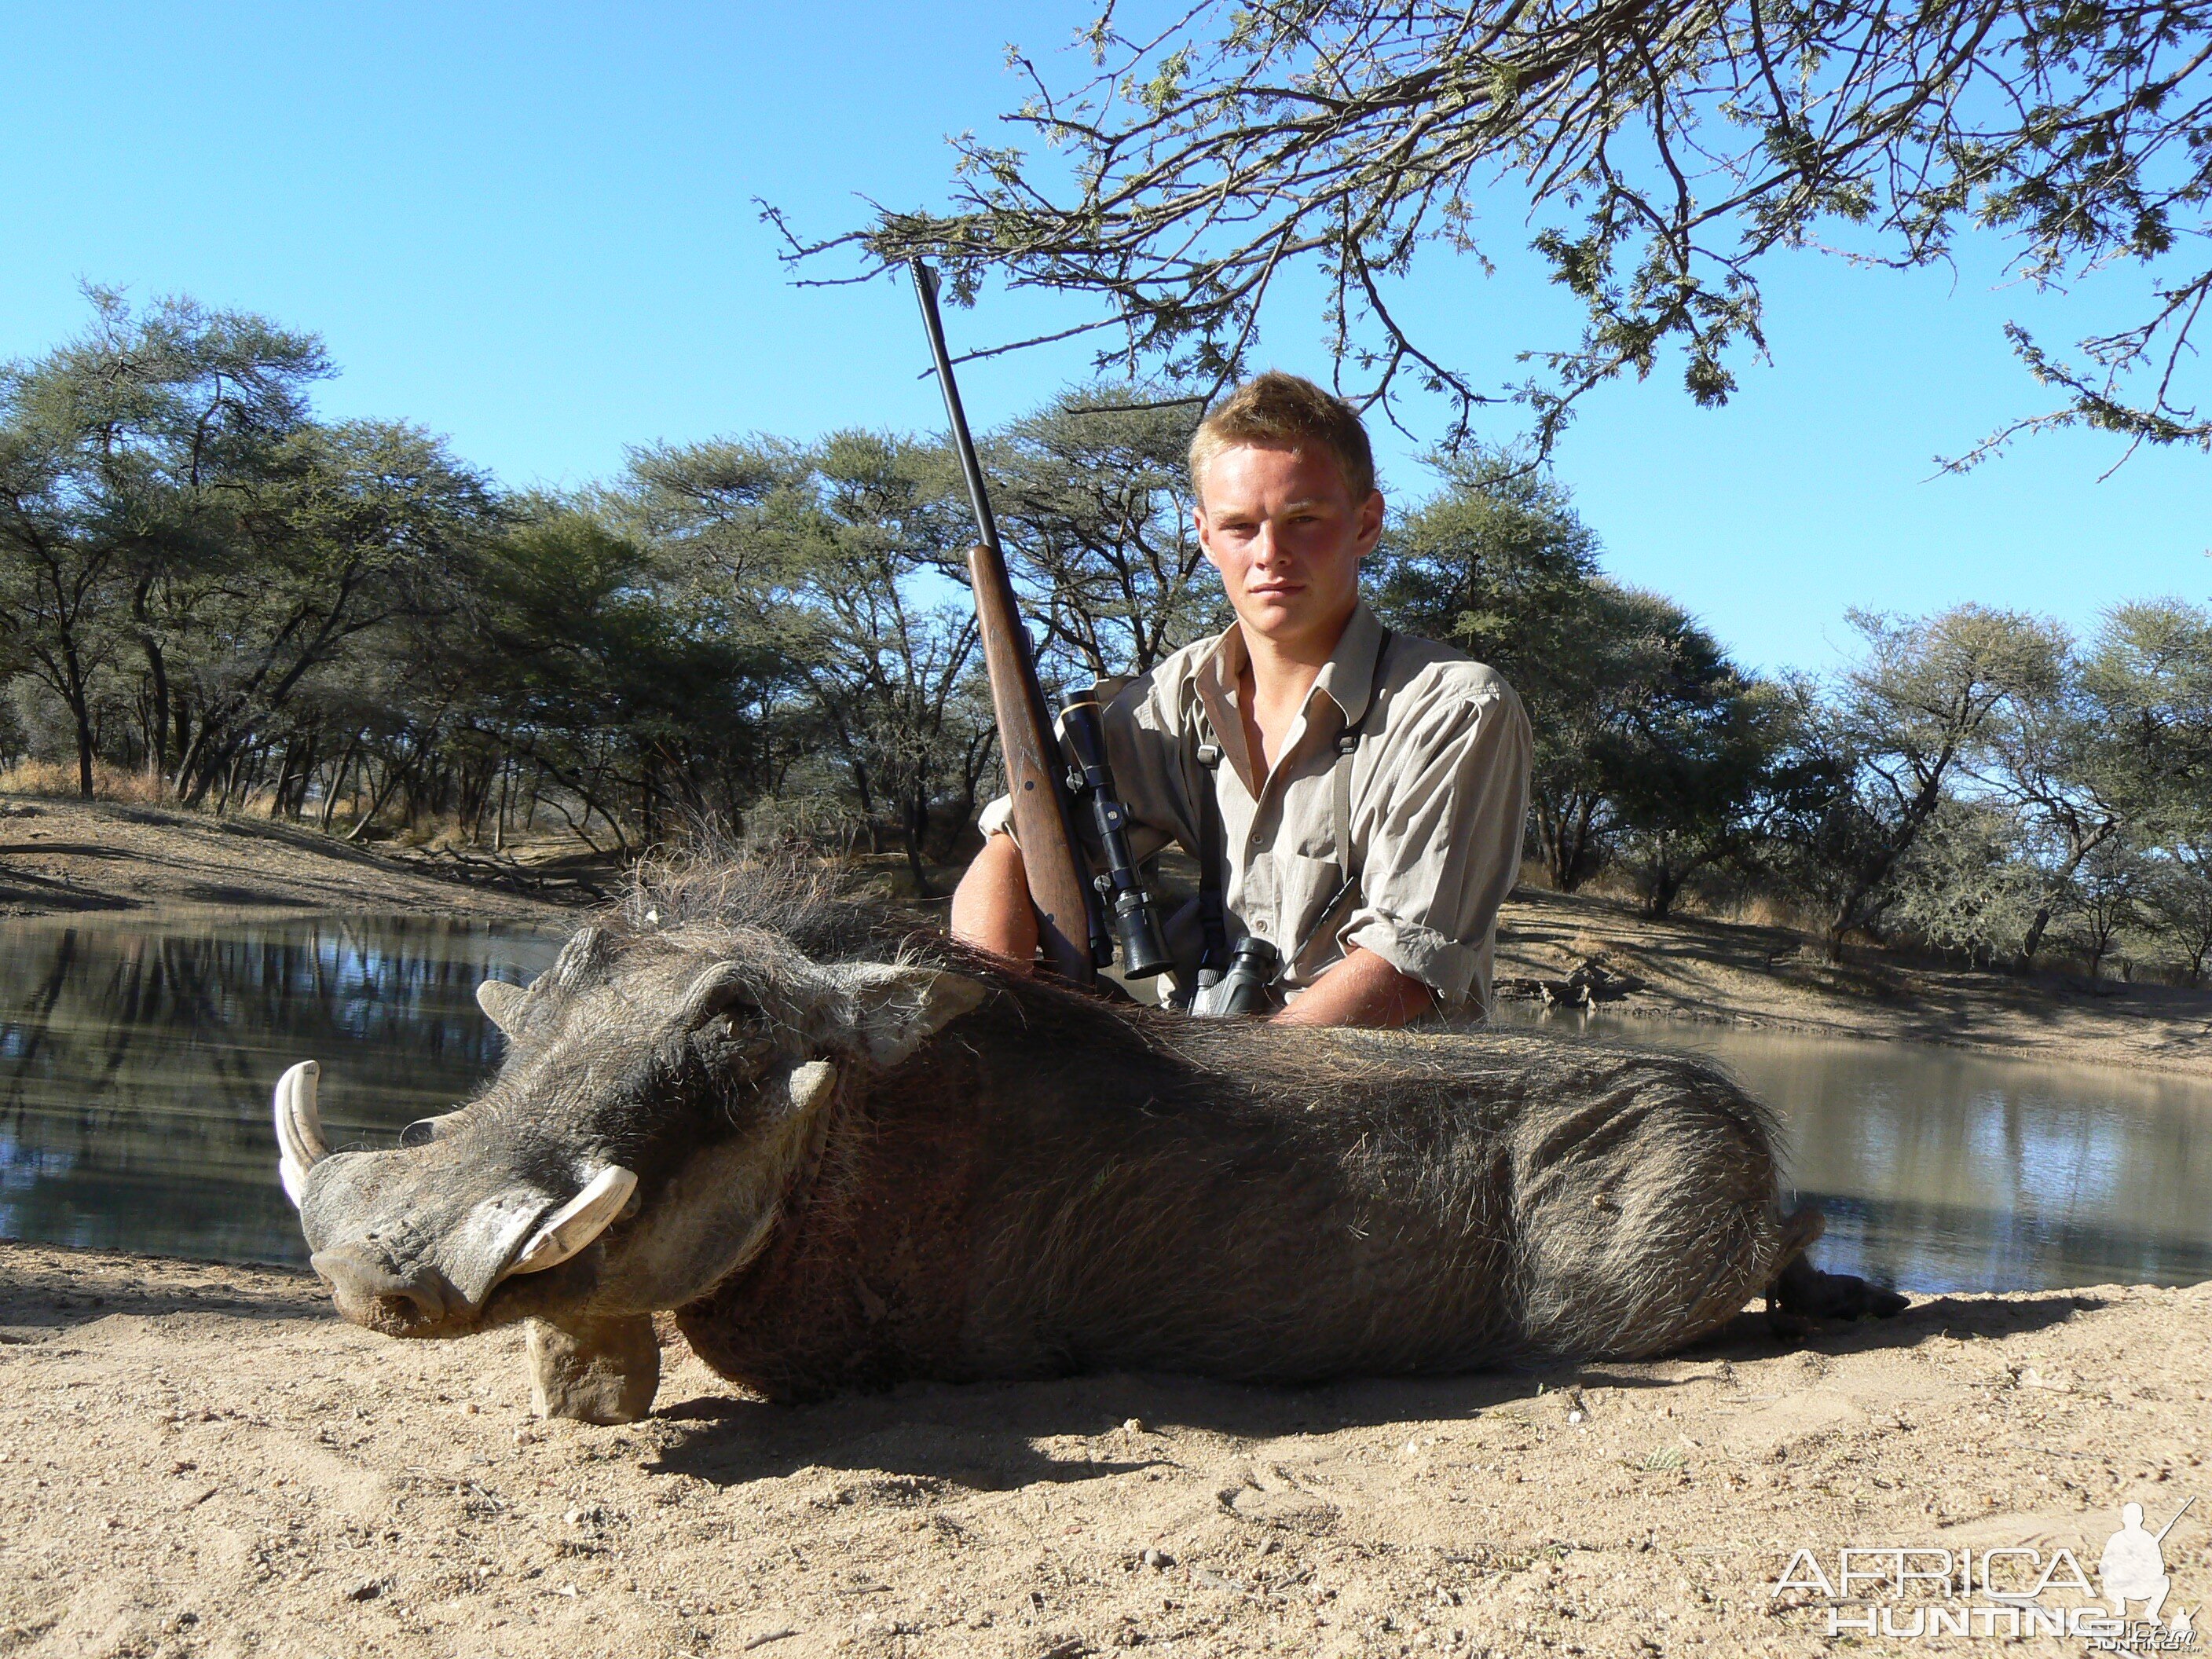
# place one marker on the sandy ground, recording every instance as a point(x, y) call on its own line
point(198, 1459)
point(63, 856)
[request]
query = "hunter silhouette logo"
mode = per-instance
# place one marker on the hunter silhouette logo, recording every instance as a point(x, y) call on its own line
point(2133, 1567)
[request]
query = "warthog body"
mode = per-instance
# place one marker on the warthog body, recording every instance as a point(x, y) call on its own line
point(860, 1159)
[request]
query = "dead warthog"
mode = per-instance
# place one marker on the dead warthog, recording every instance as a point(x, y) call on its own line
point(847, 1156)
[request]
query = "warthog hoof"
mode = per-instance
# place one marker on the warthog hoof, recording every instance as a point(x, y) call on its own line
point(595, 1370)
point(1802, 1290)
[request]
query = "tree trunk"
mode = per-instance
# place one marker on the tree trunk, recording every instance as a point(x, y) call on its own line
point(915, 828)
point(81, 711)
point(2082, 849)
point(338, 784)
point(157, 726)
point(499, 824)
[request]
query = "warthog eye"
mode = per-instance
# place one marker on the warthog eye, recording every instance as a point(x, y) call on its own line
point(739, 1038)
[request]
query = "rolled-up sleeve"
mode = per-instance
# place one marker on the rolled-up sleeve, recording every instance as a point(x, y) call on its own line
point(1437, 832)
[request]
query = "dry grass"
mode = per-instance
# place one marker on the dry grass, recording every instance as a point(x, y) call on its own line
point(130, 787)
point(58, 779)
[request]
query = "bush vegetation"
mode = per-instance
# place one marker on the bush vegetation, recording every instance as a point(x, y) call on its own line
point(211, 597)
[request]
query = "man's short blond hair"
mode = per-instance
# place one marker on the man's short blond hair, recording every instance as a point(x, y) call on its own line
point(1275, 410)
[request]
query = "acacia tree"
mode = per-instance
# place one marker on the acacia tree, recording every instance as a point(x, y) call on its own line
point(1093, 500)
point(1883, 753)
point(1658, 154)
point(2044, 754)
point(121, 453)
point(2107, 898)
point(1965, 885)
point(1691, 767)
point(844, 555)
point(1640, 721)
point(2146, 678)
point(349, 527)
point(2179, 897)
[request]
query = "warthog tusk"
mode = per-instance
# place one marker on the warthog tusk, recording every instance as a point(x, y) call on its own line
point(578, 1222)
point(299, 1144)
point(424, 1130)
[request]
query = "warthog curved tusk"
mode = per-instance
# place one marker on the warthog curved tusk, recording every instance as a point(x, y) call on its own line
point(424, 1130)
point(578, 1222)
point(299, 1144)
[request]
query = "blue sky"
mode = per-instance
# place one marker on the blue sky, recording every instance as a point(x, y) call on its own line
point(533, 229)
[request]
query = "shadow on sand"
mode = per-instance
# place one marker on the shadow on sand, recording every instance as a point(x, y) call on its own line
point(984, 1436)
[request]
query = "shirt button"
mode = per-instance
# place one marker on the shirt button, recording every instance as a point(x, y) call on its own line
point(1260, 927)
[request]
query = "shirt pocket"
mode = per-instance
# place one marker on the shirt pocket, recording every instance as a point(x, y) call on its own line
point(1306, 885)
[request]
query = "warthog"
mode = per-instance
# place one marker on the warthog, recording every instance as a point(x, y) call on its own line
point(847, 1156)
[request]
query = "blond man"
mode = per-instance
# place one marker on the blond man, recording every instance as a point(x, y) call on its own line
point(1304, 725)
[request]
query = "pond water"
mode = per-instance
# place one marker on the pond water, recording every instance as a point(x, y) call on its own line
point(137, 1061)
point(1941, 1169)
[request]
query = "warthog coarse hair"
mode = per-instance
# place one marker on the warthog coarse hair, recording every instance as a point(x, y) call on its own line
point(1270, 1202)
point(847, 1152)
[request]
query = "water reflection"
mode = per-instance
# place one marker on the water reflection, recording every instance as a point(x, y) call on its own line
point(1944, 1170)
point(136, 1059)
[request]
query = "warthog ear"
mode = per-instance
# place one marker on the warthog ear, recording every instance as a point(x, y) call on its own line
point(810, 1086)
point(501, 1003)
point(895, 1009)
point(715, 991)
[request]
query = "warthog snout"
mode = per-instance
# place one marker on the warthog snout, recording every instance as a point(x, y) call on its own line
point(369, 1291)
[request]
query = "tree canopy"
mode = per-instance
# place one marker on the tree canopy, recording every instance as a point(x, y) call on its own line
point(212, 596)
point(1658, 156)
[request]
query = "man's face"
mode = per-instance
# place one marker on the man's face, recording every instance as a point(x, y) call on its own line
point(1287, 539)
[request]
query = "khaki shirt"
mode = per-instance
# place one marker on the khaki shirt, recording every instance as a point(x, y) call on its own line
point(1439, 790)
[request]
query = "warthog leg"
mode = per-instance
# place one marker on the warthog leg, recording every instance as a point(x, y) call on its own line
point(1802, 1289)
point(595, 1370)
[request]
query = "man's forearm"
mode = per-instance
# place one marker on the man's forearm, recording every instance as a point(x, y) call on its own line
point(991, 907)
point(1363, 989)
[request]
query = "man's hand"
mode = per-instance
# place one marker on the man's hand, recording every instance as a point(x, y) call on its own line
point(991, 907)
point(1363, 989)
point(991, 910)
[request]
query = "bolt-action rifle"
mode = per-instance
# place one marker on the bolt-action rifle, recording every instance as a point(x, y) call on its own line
point(1071, 909)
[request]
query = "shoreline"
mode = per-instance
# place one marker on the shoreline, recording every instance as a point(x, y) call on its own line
point(1756, 978)
point(68, 858)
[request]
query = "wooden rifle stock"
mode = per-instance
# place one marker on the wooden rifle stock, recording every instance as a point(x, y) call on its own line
point(1037, 775)
point(1071, 924)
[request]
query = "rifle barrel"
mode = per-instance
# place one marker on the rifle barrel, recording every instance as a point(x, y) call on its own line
point(1071, 916)
point(971, 468)
point(2160, 1536)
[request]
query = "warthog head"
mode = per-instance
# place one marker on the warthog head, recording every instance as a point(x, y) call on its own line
point(661, 1091)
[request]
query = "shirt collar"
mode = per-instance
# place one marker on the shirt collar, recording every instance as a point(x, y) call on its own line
point(1348, 678)
point(1348, 675)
